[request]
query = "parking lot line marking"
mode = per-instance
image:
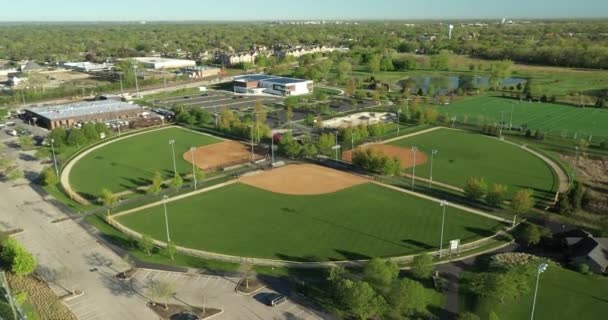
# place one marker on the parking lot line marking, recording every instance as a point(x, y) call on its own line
point(156, 274)
point(206, 280)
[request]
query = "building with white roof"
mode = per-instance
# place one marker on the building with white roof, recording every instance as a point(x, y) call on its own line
point(164, 63)
point(282, 86)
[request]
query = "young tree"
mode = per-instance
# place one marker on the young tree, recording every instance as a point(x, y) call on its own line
point(309, 150)
point(289, 146)
point(146, 244)
point(161, 290)
point(76, 138)
point(374, 64)
point(380, 273)
point(522, 202)
point(530, 234)
point(170, 250)
point(247, 273)
point(326, 142)
point(26, 142)
point(90, 132)
point(49, 177)
point(108, 198)
point(408, 297)
point(199, 174)
point(177, 182)
point(441, 61)
point(344, 70)
point(361, 300)
point(22, 262)
point(496, 195)
point(422, 266)
point(157, 183)
point(475, 188)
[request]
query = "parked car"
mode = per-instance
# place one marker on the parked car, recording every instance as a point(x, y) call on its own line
point(12, 133)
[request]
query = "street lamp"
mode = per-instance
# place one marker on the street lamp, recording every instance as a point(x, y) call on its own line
point(444, 204)
point(54, 157)
point(433, 153)
point(398, 120)
point(165, 197)
point(541, 268)
point(414, 150)
point(193, 169)
point(172, 143)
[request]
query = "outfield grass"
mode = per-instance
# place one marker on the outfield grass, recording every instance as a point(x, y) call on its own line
point(554, 119)
point(129, 163)
point(562, 294)
point(464, 154)
point(356, 223)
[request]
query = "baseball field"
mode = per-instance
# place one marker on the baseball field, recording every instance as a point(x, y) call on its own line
point(555, 119)
point(323, 214)
point(131, 162)
point(461, 155)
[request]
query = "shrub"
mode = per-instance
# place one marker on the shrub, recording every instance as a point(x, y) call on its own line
point(475, 188)
point(22, 262)
point(583, 268)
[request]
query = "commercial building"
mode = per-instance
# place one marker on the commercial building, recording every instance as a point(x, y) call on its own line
point(198, 72)
point(88, 66)
point(164, 63)
point(69, 115)
point(261, 83)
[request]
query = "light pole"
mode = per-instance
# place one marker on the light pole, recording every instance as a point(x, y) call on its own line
point(575, 163)
point(252, 156)
point(352, 141)
point(193, 169)
point(414, 150)
point(336, 146)
point(54, 157)
point(165, 197)
point(398, 120)
point(433, 153)
point(136, 83)
point(541, 268)
point(444, 204)
point(257, 121)
point(502, 122)
point(172, 143)
point(272, 147)
point(511, 121)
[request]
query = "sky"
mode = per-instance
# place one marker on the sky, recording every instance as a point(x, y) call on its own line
point(150, 10)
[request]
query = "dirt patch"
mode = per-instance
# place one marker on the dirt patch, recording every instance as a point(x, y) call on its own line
point(221, 155)
point(303, 179)
point(405, 155)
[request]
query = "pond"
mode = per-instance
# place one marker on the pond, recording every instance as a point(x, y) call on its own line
point(443, 84)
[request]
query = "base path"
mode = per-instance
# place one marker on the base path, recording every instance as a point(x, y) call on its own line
point(303, 179)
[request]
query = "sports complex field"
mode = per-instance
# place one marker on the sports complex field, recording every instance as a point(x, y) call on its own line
point(131, 162)
point(555, 119)
point(463, 154)
point(359, 220)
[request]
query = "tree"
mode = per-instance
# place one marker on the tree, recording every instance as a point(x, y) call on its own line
point(386, 64)
point(468, 316)
point(309, 150)
point(496, 195)
point(441, 61)
point(475, 188)
point(247, 272)
point(170, 250)
point(49, 177)
point(361, 300)
point(146, 244)
point(76, 138)
point(289, 114)
point(575, 195)
point(422, 266)
point(43, 153)
point(530, 234)
point(22, 262)
point(380, 273)
point(199, 174)
point(177, 182)
point(289, 146)
point(26, 142)
point(350, 88)
point(161, 290)
point(344, 70)
point(108, 198)
point(493, 316)
point(522, 202)
point(157, 183)
point(326, 142)
point(374, 64)
point(408, 297)
point(501, 69)
point(90, 131)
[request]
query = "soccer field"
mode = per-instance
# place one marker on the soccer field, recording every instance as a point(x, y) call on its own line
point(551, 118)
point(359, 222)
point(464, 154)
point(131, 162)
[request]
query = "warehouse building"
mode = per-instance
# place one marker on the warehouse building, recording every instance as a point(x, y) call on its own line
point(69, 115)
point(88, 66)
point(164, 63)
point(199, 72)
point(260, 83)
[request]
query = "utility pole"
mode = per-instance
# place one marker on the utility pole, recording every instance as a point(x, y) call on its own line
point(135, 73)
point(272, 147)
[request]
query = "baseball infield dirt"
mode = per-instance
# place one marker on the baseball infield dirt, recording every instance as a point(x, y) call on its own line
point(405, 155)
point(303, 179)
point(221, 155)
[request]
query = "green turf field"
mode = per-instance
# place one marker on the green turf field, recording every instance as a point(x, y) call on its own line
point(554, 119)
point(359, 222)
point(464, 154)
point(562, 294)
point(131, 162)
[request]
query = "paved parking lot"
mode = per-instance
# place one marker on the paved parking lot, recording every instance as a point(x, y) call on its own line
point(213, 100)
point(219, 292)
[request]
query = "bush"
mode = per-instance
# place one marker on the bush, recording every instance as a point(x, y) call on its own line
point(583, 268)
point(5, 311)
point(475, 188)
point(22, 262)
point(49, 177)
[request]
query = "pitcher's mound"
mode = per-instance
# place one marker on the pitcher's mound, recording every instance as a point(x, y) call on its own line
point(404, 154)
point(303, 179)
point(221, 155)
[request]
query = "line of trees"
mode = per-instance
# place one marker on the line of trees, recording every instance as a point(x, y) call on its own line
point(477, 189)
point(376, 161)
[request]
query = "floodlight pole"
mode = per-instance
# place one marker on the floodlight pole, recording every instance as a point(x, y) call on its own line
point(541, 268)
point(252, 156)
point(575, 163)
point(433, 153)
point(444, 205)
point(136, 83)
point(272, 147)
point(193, 169)
point(257, 121)
point(336, 145)
point(414, 150)
point(511, 121)
point(54, 157)
point(502, 121)
point(120, 79)
point(172, 143)
point(165, 197)
point(398, 120)
point(352, 141)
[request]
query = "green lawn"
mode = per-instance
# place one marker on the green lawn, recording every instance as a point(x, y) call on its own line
point(562, 294)
point(359, 222)
point(554, 119)
point(131, 162)
point(464, 154)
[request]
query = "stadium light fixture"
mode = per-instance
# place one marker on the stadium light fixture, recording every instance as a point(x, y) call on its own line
point(541, 268)
point(54, 157)
point(444, 204)
point(165, 197)
point(172, 144)
point(433, 153)
point(414, 151)
point(193, 169)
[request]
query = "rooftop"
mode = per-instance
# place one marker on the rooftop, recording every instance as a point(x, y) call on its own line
point(265, 77)
point(82, 109)
point(158, 60)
